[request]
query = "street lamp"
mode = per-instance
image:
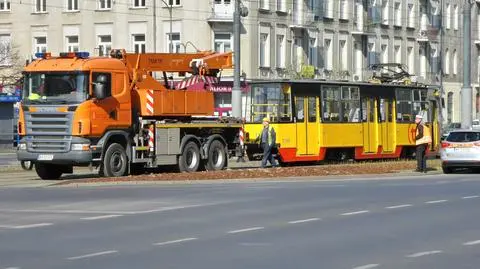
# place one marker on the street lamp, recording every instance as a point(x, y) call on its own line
point(155, 25)
point(170, 35)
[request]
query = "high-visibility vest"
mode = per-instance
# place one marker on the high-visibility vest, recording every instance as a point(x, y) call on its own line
point(427, 136)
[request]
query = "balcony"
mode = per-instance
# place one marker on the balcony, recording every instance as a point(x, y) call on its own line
point(222, 13)
point(302, 19)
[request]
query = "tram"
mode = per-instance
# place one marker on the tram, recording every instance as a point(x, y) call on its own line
point(317, 120)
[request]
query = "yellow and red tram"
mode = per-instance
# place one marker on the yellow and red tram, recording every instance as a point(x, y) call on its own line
point(335, 120)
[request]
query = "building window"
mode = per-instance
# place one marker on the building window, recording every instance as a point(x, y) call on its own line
point(72, 43)
point(104, 45)
point(343, 55)
point(372, 54)
point(434, 59)
point(104, 4)
point(5, 50)
point(448, 16)
point(40, 44)
point(174, 3)
point(398, 54)
point(313, 51)
point(328, 51)
point(385, 12)
point(384, 53)
point(455, 62)
point(455, 17)
point(411, 60)
point(138, 3)
point(449, 107)
point(411, 16)
point(4, 5)
point(40, 6)
point(264, 4)
point(344, 10)
point(398, 14)
point(281, 51)
point(264, 50)
point(138, 43)
point(174, 43)
point(281, 6)
point(72, 5)
point(223, 42)
point(446, 68)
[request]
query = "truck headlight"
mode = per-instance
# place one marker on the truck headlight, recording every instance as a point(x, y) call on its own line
point(22, 146)
point(82, 147)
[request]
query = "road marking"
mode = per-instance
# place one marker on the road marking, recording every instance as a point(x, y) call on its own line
point(471, 243)
point(368, 266)
point(175, 241)
point(420, 254)
point(31, 226)
point(101, 217)
point(12, 268)
point(436, 202)
point(355, 213)
point(303, 220)
point(398, 206)
point(245, 230)
point(93, 255)
point(470, 197)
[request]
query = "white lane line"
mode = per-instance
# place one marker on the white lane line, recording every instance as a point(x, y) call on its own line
point(245, 230)
point(175, 241)
point(12, 268)
point(102, 217)
point(436, 202)
point(303, 220)
point(368, 266)
point(471, 243)
point(425, 253)
point(31, 226)
point(470, 197)
point(355, 213)
point(398, 206)
point(92, 255)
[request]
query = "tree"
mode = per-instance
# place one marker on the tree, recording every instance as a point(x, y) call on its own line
point(11, 66)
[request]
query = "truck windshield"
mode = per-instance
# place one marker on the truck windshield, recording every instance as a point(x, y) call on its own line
point(55, 88)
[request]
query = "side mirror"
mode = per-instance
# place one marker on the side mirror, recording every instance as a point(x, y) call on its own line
point(99, 90)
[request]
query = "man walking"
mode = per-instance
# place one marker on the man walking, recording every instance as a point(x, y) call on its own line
point(422, 139)
point(267, 143)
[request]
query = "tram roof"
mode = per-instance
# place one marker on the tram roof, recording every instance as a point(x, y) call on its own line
point(338, 82)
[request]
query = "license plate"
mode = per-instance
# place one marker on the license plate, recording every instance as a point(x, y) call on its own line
point(45, 157)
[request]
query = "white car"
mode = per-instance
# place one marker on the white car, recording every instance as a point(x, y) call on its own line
point(461, 149)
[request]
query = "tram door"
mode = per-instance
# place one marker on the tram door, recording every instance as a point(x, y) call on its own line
point(387, 123)
point(307, 125)
point(370, 124)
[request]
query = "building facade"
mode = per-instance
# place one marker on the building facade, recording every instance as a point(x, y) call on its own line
point(279, 38)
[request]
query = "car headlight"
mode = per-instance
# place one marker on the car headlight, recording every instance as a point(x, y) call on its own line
point(22, 146)
point(82, 147)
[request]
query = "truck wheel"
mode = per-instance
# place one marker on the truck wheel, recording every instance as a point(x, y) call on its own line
point(48, 171)
point(189, 161)
point(115, 162)
point(216, 158)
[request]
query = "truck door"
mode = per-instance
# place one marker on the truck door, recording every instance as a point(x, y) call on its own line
point(104, 113)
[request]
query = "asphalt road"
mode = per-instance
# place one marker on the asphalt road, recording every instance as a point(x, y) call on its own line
point(431, 221)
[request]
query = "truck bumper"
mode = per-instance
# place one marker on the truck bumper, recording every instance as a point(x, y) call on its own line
point(71, 157)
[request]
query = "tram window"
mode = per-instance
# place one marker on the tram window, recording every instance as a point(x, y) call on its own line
point(331, 104)
point(272, 100)
point(299, 106)
point(312, 109)
point(404, 105)
point(350, 104)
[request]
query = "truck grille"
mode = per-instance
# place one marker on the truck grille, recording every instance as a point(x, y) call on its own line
point(48, 132)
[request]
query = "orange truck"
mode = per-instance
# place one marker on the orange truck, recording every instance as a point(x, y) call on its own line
point(112, 113)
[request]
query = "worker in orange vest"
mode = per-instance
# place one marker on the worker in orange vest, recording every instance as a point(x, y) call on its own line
point(422, 139)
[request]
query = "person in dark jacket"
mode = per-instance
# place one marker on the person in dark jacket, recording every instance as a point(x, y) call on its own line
point(422, 139)
point(267, 143)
